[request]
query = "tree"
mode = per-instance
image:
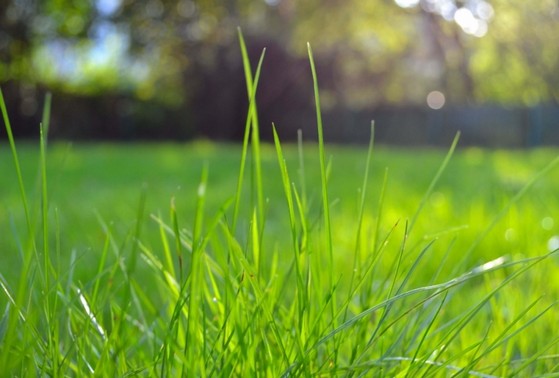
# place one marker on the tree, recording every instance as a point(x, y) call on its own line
point(518, 61)
point(183, 54)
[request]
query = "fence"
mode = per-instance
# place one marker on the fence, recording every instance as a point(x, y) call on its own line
point(113, 117)
point(488, 126)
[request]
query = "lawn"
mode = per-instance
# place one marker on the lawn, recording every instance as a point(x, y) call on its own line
point(268, 297)
point(92, 184)
point(309, 260)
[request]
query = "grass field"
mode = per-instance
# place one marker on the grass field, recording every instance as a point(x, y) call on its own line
point(91, 184)
point(261, 260)
point(94, 192)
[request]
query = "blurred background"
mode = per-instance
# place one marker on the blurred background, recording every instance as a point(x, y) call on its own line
point(171, 70)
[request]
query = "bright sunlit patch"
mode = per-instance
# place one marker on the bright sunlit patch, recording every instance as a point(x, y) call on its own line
point(553, 243)
point(465, 18)
point(547, 223)
point(436, 100)
point(90, 313)
point(469, 23)
point(471, 15)
point(447, 10)
point(201, 190)
point(490, 265)
point(406, 3)
point(481, 29)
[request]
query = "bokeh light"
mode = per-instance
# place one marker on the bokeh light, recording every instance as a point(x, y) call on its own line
point(553, 243)
point(472, 16)
point(407, 3)
point(436, 100)
point(547, 223)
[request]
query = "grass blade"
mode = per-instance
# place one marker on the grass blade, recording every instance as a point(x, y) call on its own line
point(255, 134)
point(434, 181)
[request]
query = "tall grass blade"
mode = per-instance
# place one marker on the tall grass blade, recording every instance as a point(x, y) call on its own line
point(45, 120)
point(299, 277)
point(302, 175)
point(505, 336)
point(438, 289)
point(455, 331)
point(249, 273)
point(520, 194)
point(435, 180)
point(424, 336)
point(137, 230)
point(255, 134)
point(361, 212)
point(194, 329)
point(21, 295)
point(322, 158)
point(16, 162)
point(324, 174)
point(249, 130)
point(527, 362)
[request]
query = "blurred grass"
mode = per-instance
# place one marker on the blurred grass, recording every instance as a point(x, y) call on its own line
point(88, 181)
point(96, 190)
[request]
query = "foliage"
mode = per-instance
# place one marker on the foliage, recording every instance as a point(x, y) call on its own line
point(473, 51)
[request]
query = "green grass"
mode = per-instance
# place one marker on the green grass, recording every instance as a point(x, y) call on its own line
point(94, 192)
point(311, 260)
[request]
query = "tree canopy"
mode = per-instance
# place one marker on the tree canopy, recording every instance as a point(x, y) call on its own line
point(372, 53)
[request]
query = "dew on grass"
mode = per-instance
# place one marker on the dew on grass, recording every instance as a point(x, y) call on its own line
point(547, 223)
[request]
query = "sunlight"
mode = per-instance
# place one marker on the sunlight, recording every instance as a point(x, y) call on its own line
point(472, 15)
point(407, 3)
point(90, 314)
point(490, 265)
point(469, 23)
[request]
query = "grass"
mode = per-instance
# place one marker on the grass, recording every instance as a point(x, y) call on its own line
point(271, 260)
